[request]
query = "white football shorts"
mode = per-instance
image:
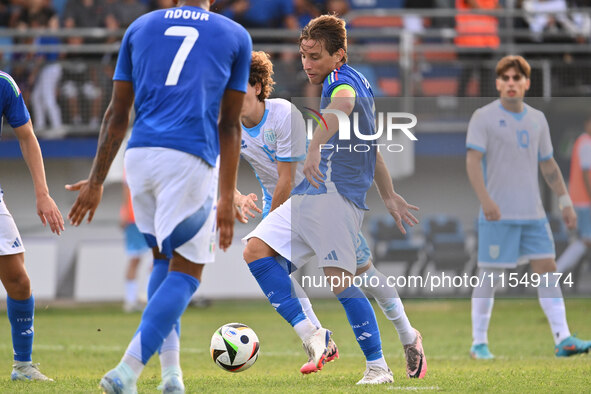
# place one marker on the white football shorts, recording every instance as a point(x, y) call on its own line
point(174, 196)
point(10, 239)
point(325, 225)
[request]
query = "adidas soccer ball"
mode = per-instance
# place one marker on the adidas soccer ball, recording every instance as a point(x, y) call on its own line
point(234, 347)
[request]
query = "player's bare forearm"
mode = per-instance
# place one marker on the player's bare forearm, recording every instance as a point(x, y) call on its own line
point(553, 176)
point(113, 129)
point(32, 155)
point(230, 134)
point(229, 158)
point(281, 193)
point(383, 179)
point(111, 136)
point(475, 175)
point(286, 172)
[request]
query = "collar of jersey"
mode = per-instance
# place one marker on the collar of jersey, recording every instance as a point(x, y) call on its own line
point(516, 115)
point(254, 131)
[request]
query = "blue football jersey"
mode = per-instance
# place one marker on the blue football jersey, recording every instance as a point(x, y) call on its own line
point(180, 61)
point(12, 105)
point(350, 171)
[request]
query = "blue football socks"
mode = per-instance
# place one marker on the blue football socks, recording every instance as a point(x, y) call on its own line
point(21, 314)
point(363, 321)
point(163, 310)
point(276, 284)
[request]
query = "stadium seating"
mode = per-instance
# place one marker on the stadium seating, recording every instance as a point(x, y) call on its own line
point(390, 245)
point(446, 243)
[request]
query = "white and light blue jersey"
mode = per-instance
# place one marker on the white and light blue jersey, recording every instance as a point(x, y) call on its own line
point(348, 171)
point(177, 98)
point(280, 136)
point(513, 145)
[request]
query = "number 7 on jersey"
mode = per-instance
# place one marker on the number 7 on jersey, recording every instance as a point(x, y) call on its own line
point(191, 34)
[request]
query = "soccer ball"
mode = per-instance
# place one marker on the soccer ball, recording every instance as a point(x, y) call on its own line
point(234, 347)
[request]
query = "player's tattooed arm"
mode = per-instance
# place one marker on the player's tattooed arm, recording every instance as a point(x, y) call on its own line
point(113, 131)
point(553, 176)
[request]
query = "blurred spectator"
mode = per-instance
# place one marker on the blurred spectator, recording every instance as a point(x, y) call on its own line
point(416, 23)
point(59, 6)
point(7, 19)
point(261, 13)
point(120, 13)
point(305, 11)
point(479, 33)
point(7, 14)
point(161, 4)
point(554, 15)
point(47, 71)
point(338, 7)
point(83, 70)
point(365, 4)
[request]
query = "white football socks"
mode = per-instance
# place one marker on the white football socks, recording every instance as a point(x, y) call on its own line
point(305, 301)
point(380, 362)
point(170, 351)
point(389, 301)
point(305, 329)
point(483, 299)
point(131, 291)
point(571, 256)
point(552, 303)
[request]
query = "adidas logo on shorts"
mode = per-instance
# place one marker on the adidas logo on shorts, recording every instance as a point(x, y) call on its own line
point(332, 256)
point(17, 243)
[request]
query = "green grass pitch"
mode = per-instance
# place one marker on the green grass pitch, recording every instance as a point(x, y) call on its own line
point(76, 346)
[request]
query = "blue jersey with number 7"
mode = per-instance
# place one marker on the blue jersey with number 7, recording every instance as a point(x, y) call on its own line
point(180, 61)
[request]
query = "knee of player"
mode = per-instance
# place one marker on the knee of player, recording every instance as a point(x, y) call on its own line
point(18, 287)
point(256, 249)
point(252, 251)
point(364, 267)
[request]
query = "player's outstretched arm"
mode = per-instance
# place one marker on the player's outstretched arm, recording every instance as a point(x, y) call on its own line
point(474, 169)
point(394, 202)
point(553, 178)
point(286, 172)
point(230, 135)
point(244, 206)
point(113, 129)
point(46, 207)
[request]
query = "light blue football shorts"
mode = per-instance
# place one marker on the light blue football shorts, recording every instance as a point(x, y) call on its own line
point(505, 244)
point(135, 243)
point(362, 251)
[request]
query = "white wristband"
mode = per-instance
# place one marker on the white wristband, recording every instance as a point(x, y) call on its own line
point(564, 201)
